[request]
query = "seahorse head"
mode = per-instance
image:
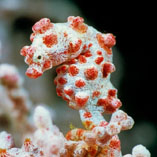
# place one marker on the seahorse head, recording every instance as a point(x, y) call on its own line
point(51, 46)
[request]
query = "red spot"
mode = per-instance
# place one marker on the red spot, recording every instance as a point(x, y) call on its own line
point(29, 60)
point(77, 24)
point(32, 37)
point(68, 136)
point(103, 123)
point(80, 83)
point(82, 59)
point(47, 64)
point(50, 40)
point(98, 60)
point(23, 51)
point(115, 144)
point(58, 70)
point(33, 73)
point(84, 47)
point(91, 73)
point(95, 94)
point(59, 91)
point(81, 101)
point(65, 52)
point(107, 68)
point(99, 52)
point(69, 92)
point(88, 53)
point(79, 132)
point(72, 61)
point(102, 43)
point(101, 102)
point(93, 150)
point(55, 82)
point(112, 92)
point(42, 26)
point(109, 104)
point(88, 123)
point(110, 40)
point(66, 98)
point(73, 70)
point(90, 45)
point(62, 69)
point(65, 34)
point(62, 80)
point(73, 48)
point(87, 115)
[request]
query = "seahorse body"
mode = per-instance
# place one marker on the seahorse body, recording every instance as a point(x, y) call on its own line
point(83, 79)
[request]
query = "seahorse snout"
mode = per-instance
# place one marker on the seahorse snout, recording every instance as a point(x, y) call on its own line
point(33, 72)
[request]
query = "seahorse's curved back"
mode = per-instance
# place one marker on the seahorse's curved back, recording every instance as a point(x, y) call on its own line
point(85, 55)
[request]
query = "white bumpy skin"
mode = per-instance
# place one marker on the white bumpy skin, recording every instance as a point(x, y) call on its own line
point(83, 81)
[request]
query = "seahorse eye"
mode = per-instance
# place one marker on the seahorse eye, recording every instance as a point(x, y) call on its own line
point(39, 57)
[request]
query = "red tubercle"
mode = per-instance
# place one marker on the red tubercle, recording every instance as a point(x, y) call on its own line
point(23, 51)
point(88, 124)
point(32, 37)
point(62, 69)
point(80, 83)
point(110, 40)
point(103, 124)
point(55, 82)
point(87, 53)
point(95, 94)
point(84, 47)
point(33, 73)
point(81, 101)
point(82, 59)
point(77, 24)
point(87, 115)
point(58, 70)
point(112, 92)
point(72, 61)
point(73, 70)
point(69, 92)
point(62, 80)
point(59, 91)
point(73, 48)
point(47, 64)
point(93, 150)
point(103, 44)
point(42, 26)
point(107, 68)
point(115, 143)
point(99, 52)
point(98, 60)
point(66, 98)
point(68, 135)
point(80, 132)
point(109, 104)
point(90, 45)
point(65, 34)
point(50, 40)
point(91, 73)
